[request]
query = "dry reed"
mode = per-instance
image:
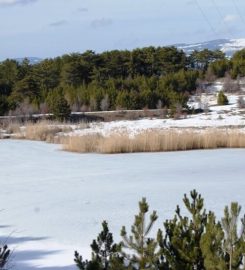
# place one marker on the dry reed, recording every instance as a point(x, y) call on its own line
point(155, 141)
point(44, 131)
point(40, 131)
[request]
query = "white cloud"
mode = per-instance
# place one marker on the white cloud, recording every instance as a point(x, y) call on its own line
point(15, 2)
point(230, 18)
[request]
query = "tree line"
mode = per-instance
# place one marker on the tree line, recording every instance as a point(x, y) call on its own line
point(198, 241)
point(150, 77)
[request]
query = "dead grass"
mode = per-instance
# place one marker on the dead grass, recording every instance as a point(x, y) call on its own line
point(44, 130)
point(155, 141)
point(12, 127)
point(40, 131)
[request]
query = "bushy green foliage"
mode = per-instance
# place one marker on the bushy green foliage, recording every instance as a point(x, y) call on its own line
point(211, 245)
point(3, 105)
point(181, 245)
point(222, 98)
point(193, 242)
point(201, 59)
point(144, 252)
point(58, 105)
point(105, 253)
point(220, 67)
point(233, 244)
point(238, 64)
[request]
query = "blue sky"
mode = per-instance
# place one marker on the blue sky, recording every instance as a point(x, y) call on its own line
point(48, 28)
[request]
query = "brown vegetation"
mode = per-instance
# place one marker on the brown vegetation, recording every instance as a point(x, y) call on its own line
point(40, 131)
point(155, 141)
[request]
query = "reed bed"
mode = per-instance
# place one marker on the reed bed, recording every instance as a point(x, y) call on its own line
point(40, 131)
point(155, 141)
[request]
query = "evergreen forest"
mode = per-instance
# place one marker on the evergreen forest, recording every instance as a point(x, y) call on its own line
point(151, 77)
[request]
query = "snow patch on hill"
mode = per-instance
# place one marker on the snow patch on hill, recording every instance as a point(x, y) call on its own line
point(228, 46)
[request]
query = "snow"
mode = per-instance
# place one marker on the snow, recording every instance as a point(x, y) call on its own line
point(54, 202)
point(217, 117)
point(233, 45)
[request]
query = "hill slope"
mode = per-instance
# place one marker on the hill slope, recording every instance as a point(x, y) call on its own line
point(228, 46)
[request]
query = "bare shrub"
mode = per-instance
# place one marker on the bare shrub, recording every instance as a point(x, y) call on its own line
point(209, 76)
point(105, 103)
point(231, 86)
point(165, 112)
point(241, 102)
point(43, 108)
point(84, 108)
point(25, 109)
point(93, 104)
point(177, 111)
point(205, 106)
point(159, 104)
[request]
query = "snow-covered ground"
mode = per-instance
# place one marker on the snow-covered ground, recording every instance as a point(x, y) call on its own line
point(228, 46)
point(233, 46)
point(54, 202)
point(217, 116)
point(214, 116)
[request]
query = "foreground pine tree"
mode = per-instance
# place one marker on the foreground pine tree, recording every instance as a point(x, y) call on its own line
point(104, 249)
point(223, 247)
point(181, 244)
point(234, 242)
point(4, 256)
point(105, 253)
point(211, 245)
point(144, 251)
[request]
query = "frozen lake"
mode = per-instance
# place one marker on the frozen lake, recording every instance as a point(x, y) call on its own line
point(54, 202)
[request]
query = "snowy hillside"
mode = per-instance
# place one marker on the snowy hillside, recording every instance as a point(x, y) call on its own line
point(228, 46)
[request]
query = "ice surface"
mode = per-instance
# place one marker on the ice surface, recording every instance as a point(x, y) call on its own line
point(54, 202)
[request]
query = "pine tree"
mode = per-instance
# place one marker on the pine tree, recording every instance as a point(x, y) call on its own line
point(144, 252)
point(80, 263)
point(181, 244)
point(58, 105)
point(4, 256)
point(211, 245)
point(103, 249)
point(105, 253)
point(222, 99)
point(234, 244)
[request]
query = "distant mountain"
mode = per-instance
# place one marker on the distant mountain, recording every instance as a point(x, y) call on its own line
point(228, 46)
point(33, 60)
